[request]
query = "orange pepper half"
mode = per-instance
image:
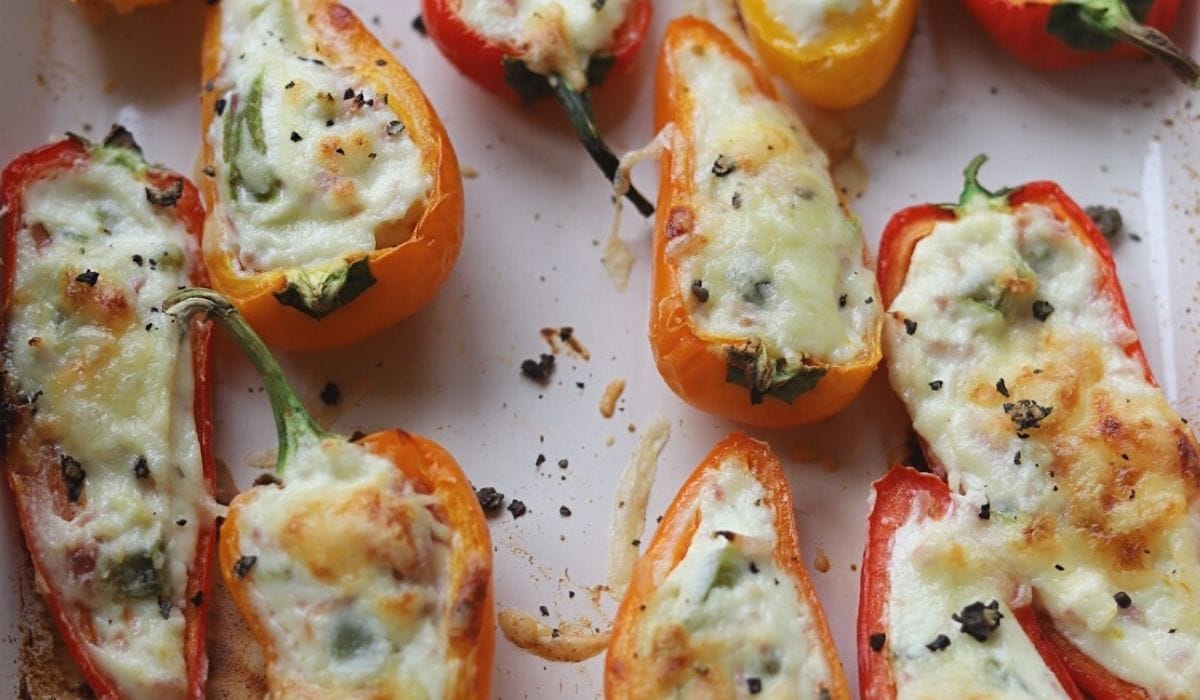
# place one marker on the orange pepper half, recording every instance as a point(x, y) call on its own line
point(693, 365)
point(389, 283)
point(847, 62)
point(631, 672)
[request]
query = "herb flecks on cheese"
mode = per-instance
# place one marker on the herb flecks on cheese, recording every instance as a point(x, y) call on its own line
point(106, 387)
point(315, 168)
point(768, 244)
point(1091, 477)
point(350, 574)
point(728, 616)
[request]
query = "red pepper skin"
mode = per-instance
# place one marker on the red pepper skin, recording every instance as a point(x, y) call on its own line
point(481, 60)
point(896, 494)
point(1019, 26)
point(23, 171)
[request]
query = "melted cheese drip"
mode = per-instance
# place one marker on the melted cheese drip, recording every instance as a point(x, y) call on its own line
point(350, 577)
point(294, 200)
point(934, 575)
point(808, 20)
point(770, 243)
point(1105, 484)
point(552, 36)
point(113, 381)
point(728, 613)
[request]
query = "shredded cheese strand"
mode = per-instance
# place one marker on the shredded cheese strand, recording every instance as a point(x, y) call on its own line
point(629, 507)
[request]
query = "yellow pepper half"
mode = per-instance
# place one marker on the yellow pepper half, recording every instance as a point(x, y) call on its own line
point(847, 62)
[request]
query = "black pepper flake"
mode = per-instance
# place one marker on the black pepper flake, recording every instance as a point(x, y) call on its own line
point(979, 620)
point(490, 500)
point(210, 171)
point(164, 607)
point(728, 535)
point(296, 137)
point(141, 469)
point(877, 640)
point(753, 568)
point(842, 301)
point(1171, 631)
point(395, 127)
point(1107, 219)
point(910, 326)
point(541, 459)
point(737, 200)
point(339, 151)
point(1059, 567)
point(598, 5)
point(167, 197)
point(328, 122)
point(291, 84)
point(137, 260)
point(938, 644)
point(869, 300)
point(563, 464)
point(540, 369)
point(636, 543)
point(985, 510)
point(267, 479)
point(936, 384)
point(544, 610)
point(1042, 309)
point(1017, 457)
point(380, 62)
point(1001, 388)
point(348, 94)
point(418, 25)
point(554, 633)
point(89, 278)
point(331, 394)
point(699, 291)
point(243, 565)
point(1026, 413)
point(754, 685)
point(219, 106)
point(182, 522)
point(1123, 599)
point(723, 165)
point(517, 508)
point(73, 476)
point(564, 511)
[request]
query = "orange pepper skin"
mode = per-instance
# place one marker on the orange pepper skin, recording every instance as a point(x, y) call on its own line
point(469, 597)
point(845, 66)
point(626, 675)
point(694, 366)
point(408, 275)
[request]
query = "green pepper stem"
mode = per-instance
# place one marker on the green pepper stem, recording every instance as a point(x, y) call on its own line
point(1113, 17)
point(295, 427)
point(579, 111)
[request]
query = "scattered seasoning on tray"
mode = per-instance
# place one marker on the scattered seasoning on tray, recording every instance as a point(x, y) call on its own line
point(1001, 388)
point(564, 511)
point(979, 620)
point(418, 25)
point(243, 565)
point(517, 508)
point(563, 463)
point(141, 469)
point(490, 500)
point(540, 369)
point(1107, 219)
point(939, 643)
point(167, 197)
point(1123, 599)
point(544, 610)
point(541, 459)
point(876, 641)
point(89, 278)
point(330, 394)
point(910, 326)
point(1042, 309)
point(74, 476)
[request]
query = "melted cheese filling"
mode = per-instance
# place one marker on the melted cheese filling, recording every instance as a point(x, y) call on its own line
point(351, 573)
point(314, 166)
point(780, 261)
point(933, 576)
point(808, 20)
point(728, 617)
point(109, 383)
point(552, 36)
point(1084, 463)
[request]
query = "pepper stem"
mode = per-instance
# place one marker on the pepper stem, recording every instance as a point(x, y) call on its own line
point(579, 111)
point(971, 187)
point(295, 427)
point(1113, 17)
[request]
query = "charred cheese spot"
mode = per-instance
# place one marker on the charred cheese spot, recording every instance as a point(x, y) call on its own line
point(1106, 483)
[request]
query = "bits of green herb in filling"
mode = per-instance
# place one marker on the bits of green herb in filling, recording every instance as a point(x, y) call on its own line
point(73, 476)
point(939, 643)
point(979, 620)
point(490, 500)
point(1001, 388)
point(517, 508)
point(141, 468)
point(1026, 413)
point(936, 384)
point(89, 278)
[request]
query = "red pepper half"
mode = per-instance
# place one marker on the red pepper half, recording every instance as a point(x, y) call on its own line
point(502, 69)
point(1058, 34)
point(35, 486)
point(897, 495)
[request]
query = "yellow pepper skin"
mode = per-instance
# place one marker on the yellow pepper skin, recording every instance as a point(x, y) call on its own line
point(847, 63)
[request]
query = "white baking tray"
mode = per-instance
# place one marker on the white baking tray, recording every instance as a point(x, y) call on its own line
point(537, 215)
